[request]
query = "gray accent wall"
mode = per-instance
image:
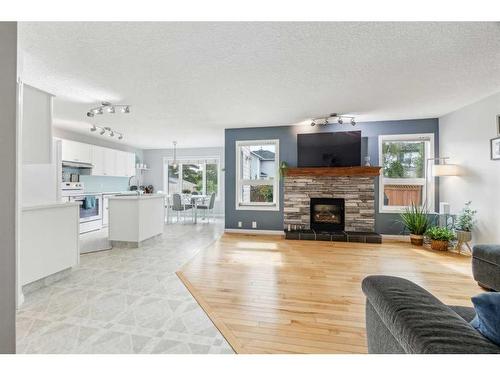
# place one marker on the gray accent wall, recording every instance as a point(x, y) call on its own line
point(385, 223)
point(8, 88)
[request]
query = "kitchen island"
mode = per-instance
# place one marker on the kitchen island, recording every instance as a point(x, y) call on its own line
point(134, 219)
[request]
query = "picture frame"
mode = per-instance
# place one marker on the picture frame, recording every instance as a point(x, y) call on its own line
point(495, 148)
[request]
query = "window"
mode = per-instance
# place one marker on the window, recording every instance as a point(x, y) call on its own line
point(404, 177)
point(192, 176)
point(257, 176)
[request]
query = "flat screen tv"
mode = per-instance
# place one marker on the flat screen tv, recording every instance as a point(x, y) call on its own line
point(340, 149)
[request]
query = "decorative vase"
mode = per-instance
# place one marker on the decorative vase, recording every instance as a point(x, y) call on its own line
point(439, 245)
point(417, 239)
point(463, 236)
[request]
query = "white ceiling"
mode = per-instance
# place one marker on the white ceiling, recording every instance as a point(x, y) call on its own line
point(190, 81)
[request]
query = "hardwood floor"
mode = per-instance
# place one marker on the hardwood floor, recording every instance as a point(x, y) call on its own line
point(270, 295)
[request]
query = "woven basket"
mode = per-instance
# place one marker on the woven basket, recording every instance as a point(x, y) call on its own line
point(439, 245)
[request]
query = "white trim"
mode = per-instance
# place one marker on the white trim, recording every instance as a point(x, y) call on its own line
point(417, 181)
point(275, 182)
point(255, 231)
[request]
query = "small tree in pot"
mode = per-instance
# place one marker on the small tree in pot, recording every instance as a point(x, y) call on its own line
point(465, 222)
point(440, 237)
point(415, 219)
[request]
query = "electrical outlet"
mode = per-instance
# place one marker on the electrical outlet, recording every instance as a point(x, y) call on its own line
point(239, 224)
point(254, 224)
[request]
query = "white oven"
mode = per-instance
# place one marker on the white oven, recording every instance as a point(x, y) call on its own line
point(90, 205)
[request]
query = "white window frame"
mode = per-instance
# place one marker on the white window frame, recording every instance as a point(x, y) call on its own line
point(240, 182)
point(183, 160)
point(427, 182)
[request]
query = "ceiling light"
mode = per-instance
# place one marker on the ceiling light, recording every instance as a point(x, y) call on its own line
point(90, 114)
point(340, 121)
point(120, 137)
point(102, 131)
point(313, 123)
point(126, 109)
point(93, 128)
point(111, 133)
point(326, 121)
point(353, 122)
point(110, 109)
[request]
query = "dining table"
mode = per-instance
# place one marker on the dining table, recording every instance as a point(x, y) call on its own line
point(195, 200)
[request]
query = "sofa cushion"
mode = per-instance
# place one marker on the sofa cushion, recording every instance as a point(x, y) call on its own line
point(487, 253)
point(466, 313)
point(419, 321)
point(487, 320)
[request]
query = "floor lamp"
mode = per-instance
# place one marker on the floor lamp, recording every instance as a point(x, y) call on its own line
point(439, 170)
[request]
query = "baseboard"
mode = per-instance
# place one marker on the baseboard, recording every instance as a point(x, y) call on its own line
point(399, 237)
point(255, 231)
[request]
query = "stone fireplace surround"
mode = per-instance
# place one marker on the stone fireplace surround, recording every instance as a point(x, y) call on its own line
point(358, 192)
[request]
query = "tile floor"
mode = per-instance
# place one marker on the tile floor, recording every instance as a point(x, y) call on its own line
point(124, 301)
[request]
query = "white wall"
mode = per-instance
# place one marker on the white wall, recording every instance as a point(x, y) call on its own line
point(464, 136)
point(154, 160)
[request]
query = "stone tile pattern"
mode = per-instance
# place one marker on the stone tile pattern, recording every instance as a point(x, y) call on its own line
point(124, 301)
point(358, 192)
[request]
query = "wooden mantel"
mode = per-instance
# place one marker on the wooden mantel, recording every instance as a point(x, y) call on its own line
point(334, 171)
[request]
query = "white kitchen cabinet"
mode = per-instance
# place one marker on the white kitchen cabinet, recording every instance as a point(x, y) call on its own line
point(105, 209)
point(130, 164)
point(98, 161)
point(110, 162)
point(76, 151)
point(121, 163)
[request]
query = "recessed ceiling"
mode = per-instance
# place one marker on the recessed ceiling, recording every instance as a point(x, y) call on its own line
point(190, 81)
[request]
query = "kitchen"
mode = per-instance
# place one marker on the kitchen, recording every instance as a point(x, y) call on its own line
point(68, 182)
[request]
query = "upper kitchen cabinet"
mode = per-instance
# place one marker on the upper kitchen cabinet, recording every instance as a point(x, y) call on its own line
point(76, 152)
point(98, 161)
point(130, 164)
point(36, 125)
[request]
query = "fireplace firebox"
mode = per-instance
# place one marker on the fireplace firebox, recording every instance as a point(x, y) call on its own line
point(327, 214)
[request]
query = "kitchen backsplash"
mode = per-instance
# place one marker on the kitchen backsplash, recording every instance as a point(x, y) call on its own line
point(104, 183)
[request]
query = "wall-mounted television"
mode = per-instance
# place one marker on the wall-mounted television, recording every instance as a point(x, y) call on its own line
point(338, 149)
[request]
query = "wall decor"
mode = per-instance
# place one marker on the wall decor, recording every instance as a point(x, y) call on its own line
point(495, 148)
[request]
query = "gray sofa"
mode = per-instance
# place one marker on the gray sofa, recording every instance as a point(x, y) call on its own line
point(486, 266)
point(402, 317)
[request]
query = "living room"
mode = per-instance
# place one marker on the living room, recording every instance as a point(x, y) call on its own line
point(250, 188)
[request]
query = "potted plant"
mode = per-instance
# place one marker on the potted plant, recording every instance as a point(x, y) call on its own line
point(415, 219)
point(440, 237)
point(465, 222)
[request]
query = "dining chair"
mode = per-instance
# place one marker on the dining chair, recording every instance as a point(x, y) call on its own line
point(179, 206)
point(209, 209)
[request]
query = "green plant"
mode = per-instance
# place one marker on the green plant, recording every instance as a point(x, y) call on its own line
point(395, 170)
point(466, 220)
point(415, 219)
point(440, 234)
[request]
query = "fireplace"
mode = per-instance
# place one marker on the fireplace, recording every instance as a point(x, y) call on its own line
point(327, 214)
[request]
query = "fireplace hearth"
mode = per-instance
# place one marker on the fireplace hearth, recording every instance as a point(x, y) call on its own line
point(327, 214)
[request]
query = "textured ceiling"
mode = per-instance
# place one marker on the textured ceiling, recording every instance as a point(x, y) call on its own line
point(189, 81)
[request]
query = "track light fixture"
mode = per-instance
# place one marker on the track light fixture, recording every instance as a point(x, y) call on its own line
point(325, 120)
point(107, 107)
point(106, 129)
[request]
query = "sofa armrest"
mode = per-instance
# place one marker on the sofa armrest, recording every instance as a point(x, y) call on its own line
point(419, 321)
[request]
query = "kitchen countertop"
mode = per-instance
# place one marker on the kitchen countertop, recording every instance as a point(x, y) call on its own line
point(50, 205)
point(138, 197)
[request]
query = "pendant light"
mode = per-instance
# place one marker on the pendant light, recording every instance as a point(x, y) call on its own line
point(174, 162)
